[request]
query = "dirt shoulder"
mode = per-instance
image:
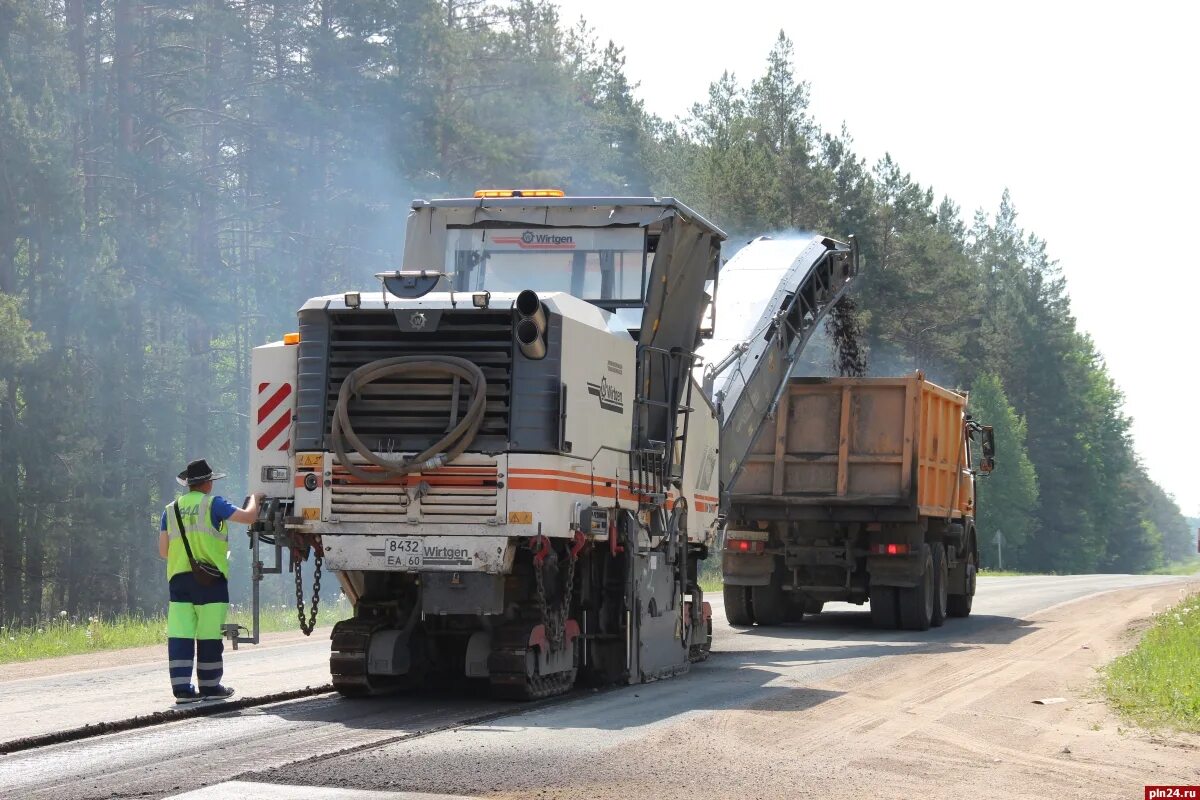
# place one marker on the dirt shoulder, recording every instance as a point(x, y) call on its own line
point(107, 659)
point(955, 723)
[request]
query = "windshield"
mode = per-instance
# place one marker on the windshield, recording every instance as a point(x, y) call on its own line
point(603, 264)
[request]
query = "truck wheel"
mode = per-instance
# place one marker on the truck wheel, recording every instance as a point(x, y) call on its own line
point(916, 602)
point(737, 605)
point(813, 606)
point(940, 587)
point(796, 607)
point(769, 604)
point(884, 607)
point(959, 605)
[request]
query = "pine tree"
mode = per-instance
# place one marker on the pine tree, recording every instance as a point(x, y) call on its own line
point(1007, 498)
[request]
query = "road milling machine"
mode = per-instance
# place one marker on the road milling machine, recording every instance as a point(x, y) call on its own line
point(511, 454)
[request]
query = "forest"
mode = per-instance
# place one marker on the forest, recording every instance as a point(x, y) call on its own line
point(177, 178)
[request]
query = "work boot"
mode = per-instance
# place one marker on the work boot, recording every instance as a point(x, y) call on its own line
point(217, 693)
point(188, 695)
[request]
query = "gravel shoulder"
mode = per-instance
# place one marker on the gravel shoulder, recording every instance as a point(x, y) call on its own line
point(936, 724)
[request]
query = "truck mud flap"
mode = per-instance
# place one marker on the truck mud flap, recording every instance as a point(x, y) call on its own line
point(746, 570)
point(902, 571)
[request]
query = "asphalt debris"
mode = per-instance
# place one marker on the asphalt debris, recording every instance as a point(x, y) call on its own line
point(844, 327)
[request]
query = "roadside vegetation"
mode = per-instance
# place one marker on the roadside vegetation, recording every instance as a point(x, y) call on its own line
point(984, 572)
point(68, 636)
point(1158, 682)
point(1190, 566)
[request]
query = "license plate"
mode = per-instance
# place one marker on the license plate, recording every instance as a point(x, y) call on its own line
point(403, 551)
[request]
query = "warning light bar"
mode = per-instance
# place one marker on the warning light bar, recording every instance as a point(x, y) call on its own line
point(291, 338)
point(486, 193)
point(889, 549)
point(745, 546)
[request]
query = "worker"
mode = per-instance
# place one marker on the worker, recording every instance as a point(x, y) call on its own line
point(198, 605)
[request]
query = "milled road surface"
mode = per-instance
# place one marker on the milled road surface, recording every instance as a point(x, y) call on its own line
point(760, 688)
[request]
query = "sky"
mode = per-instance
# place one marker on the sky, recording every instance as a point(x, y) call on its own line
point(1087, 113)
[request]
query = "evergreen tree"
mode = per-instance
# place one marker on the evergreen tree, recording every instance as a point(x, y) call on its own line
point(1008, 497)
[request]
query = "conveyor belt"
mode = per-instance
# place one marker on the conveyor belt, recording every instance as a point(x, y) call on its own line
point(772, 295)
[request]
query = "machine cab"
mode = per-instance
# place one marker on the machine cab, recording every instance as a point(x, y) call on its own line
point(601, 250)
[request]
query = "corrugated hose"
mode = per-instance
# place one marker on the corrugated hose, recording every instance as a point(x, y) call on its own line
point(449, 447)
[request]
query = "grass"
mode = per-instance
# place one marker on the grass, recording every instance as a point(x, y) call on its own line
point(984, 572)
point(1189, 566)
point(1158, 682)
point(66, 636)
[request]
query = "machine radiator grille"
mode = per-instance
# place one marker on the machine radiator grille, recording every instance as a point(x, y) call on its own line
point(467, 491)
point(410, 414)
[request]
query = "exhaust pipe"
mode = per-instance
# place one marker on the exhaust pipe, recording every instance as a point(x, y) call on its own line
point(531, 326)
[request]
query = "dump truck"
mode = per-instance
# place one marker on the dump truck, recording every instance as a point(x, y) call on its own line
point(863, 490)
point(508, 453)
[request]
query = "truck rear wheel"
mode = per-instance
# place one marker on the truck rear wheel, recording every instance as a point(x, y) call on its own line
point(737, 605)
point(769, 604)
point(940, 579)
point(916, 602)
point(795, 608)
point(884, 607)
point(959, 605)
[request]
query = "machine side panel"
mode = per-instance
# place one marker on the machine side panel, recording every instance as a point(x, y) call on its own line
point(598, 371)
point(272, 408)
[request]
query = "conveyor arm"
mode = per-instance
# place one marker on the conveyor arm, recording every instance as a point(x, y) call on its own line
point(773, 294)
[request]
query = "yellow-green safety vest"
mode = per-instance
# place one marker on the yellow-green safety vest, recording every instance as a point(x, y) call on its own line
point(209, 544)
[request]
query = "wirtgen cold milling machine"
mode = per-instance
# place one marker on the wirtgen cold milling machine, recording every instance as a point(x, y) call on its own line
point(504, 455)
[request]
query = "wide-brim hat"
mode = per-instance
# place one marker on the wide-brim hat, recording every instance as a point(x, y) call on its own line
point(198, 471)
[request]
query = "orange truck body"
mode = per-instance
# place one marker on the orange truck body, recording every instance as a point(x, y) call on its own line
point(864, 490)
point(865, 442)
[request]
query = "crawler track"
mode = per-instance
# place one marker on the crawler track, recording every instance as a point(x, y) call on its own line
point(351, 642)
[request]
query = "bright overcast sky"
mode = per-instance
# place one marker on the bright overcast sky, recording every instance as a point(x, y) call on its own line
point(1086, 112)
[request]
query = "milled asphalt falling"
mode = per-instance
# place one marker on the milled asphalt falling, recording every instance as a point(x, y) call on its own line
point(380, 744)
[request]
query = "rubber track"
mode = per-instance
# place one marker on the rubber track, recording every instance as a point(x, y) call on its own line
point(158, 718)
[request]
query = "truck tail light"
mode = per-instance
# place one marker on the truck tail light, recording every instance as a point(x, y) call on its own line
point(746, 546)
point(889, 549)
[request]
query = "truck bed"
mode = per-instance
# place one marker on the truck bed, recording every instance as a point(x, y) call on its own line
point(862, 442)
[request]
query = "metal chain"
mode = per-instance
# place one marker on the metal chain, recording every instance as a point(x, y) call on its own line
point(555, 621)
point(565, 608)
point(307, 627)
point(539, 581)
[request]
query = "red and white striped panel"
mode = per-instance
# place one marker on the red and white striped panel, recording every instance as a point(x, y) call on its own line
point(274, 429)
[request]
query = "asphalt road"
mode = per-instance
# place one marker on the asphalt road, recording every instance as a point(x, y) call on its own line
point(471, 745)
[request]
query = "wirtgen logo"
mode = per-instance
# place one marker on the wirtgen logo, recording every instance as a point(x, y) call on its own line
point(532, 240)
point(611, 398)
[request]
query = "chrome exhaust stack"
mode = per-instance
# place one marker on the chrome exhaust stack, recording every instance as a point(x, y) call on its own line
point(531, 325)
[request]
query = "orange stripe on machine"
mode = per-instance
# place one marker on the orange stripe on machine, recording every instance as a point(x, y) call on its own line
point(582, 486)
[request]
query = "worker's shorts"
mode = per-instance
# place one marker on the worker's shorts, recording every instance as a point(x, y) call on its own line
point(195, 611)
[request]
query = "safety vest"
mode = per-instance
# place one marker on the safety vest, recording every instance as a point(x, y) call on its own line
point(209, 544)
